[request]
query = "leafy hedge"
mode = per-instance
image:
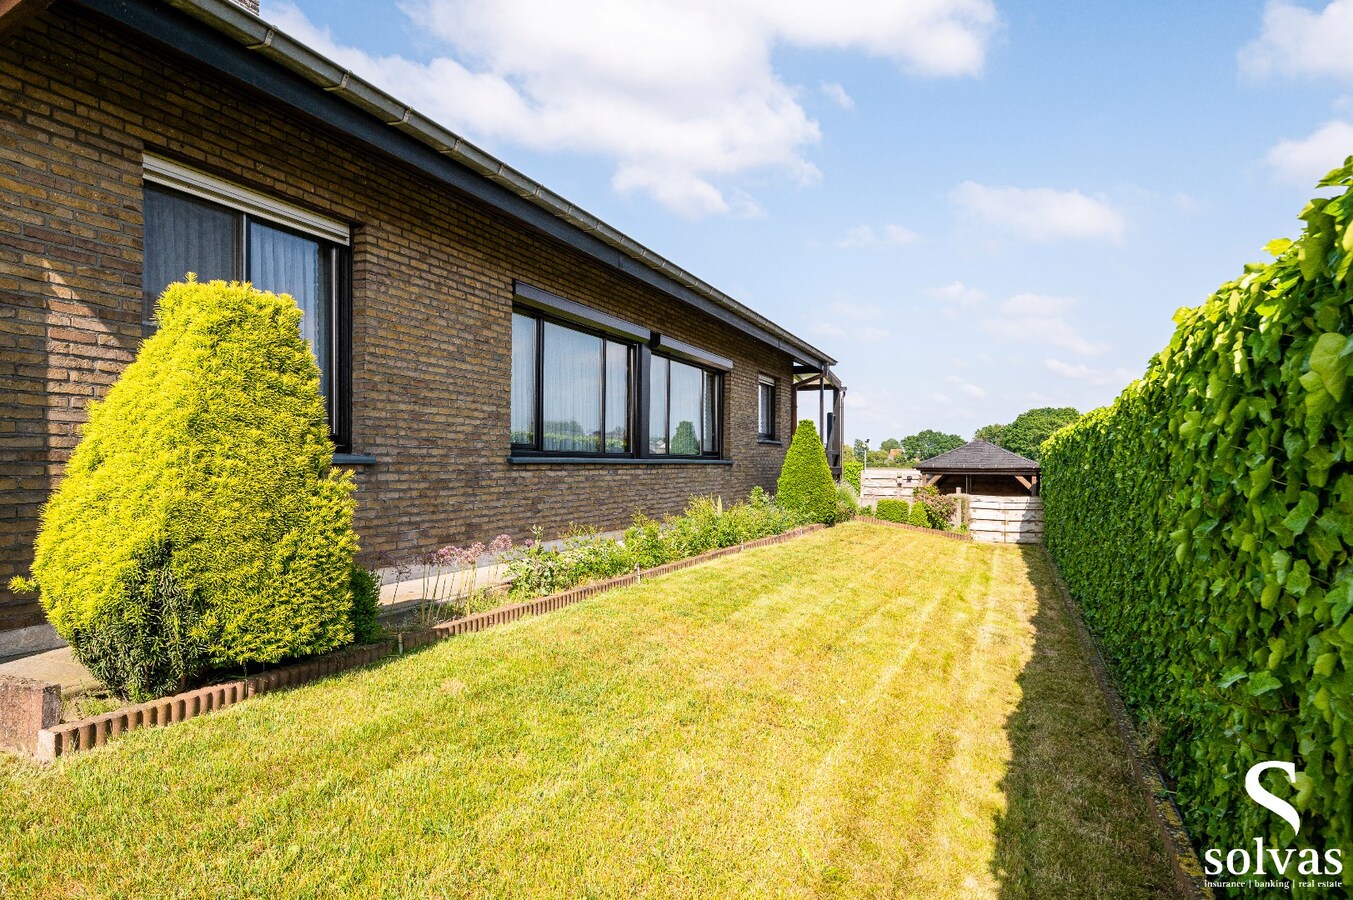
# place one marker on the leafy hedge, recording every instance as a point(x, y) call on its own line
point(1204, 522)
point(890, 510)
point(805, 486)
point(918, 516)
point(852, 470)
point(199, 523)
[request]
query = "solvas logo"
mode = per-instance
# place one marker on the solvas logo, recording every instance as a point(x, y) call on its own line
point(1270, 861)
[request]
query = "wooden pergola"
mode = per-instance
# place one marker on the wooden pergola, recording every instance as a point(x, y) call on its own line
point(815, 384)
point(979, 467)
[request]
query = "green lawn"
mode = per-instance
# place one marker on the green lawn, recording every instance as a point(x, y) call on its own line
point(865, 711)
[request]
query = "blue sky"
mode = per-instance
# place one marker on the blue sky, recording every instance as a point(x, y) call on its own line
point(977, 206)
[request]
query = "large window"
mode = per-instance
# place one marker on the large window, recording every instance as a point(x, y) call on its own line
point(572, 389)
point(683, 409)
point(765, 408)
point(588, 384)
point(194, 223)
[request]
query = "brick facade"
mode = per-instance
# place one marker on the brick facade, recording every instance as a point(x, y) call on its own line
point(80, 103)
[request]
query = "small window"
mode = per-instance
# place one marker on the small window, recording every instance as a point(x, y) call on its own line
point(186, 233)
point(684, 409)
point(765, 408)
point(571, 389)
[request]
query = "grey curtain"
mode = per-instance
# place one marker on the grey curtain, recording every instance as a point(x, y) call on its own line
point(185, 235)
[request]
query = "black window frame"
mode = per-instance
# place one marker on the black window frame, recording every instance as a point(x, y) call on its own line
point(717, 452)
point(764, 384)
point(338, 406)
point(537, 447)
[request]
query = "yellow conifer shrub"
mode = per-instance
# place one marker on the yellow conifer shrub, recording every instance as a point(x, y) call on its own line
point(199, 523)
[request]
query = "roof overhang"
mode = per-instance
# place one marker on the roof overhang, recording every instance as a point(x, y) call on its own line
point(15, 13)
point(946, 470)
point(232, 41)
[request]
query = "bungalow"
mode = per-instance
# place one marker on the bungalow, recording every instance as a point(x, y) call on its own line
point(493, 356)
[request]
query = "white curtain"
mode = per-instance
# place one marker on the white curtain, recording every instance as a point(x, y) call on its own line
point(572, 390)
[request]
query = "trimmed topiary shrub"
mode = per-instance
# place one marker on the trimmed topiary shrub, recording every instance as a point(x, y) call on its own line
point(1204, 522)
point(918, 516)
point(806, 485)
point(890, 510)
point(199, 523)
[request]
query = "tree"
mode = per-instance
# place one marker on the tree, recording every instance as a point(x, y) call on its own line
point(1030, 429)
point(891, 444)
point(861, 449)
point(683, 440)
point(806, 485)
point(200, 523)
point(928, 443)
point(989, 433)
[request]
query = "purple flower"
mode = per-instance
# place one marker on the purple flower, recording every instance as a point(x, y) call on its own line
point(501, 544)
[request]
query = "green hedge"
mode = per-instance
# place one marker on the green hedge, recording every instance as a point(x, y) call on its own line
point(890, 510)
point(851, 472)
point(1204, 523)
point(919, 516)
point(199, 523)
point(805, 486)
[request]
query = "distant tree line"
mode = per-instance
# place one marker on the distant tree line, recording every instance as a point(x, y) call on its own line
point(1024, 436)
point(1030, 429)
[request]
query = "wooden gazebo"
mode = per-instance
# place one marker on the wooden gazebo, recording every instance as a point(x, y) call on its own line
point(979, 467)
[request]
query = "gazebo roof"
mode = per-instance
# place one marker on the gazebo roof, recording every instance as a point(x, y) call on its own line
point(978, 456)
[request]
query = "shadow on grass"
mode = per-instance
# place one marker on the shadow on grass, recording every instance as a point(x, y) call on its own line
point(1076, 823)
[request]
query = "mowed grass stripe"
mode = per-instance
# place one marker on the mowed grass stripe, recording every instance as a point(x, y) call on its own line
point(829, 716)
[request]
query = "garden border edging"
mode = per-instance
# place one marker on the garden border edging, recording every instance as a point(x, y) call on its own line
point(951, 535)
point(1188, 868)
point(71, 737)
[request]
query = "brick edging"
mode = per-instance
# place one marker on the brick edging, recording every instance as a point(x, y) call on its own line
point(95, 731)
point(1188, 868)
point(951, 535)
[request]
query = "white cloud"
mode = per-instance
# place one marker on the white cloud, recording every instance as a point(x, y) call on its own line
point(1039, 214)
point(866, 236)
point(853, 321)
point(837, 95)
point(1298, 41)
point(1089, 374)
point(957, 298)
point(680, 95)
point(1040, 319)
point(1307, 160)
point(965, 387)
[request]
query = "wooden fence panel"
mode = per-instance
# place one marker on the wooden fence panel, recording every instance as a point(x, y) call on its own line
point(1006, 520)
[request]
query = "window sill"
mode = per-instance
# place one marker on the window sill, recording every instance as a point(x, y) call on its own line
point(614, 461)
point(353, 459)
point(773, 441)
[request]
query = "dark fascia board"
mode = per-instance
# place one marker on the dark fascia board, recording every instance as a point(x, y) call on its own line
point(224, 37)
point(670, 346)
point(945, 470)
point(559, 307)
